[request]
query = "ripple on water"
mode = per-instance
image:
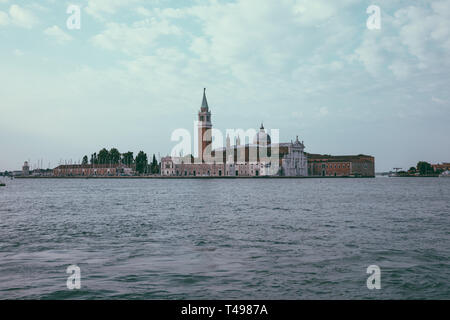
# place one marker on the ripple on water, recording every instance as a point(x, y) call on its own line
point(227, 239)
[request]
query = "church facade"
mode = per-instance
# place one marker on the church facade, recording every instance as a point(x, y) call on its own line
point(259, 158)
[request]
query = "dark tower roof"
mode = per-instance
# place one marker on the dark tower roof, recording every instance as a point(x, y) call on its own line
point(204, 102)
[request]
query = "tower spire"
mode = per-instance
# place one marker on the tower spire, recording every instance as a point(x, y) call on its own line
point(204, 102)
point(204, 130)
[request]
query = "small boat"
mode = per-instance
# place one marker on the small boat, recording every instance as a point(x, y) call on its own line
point(2, 185)
point(445, 174)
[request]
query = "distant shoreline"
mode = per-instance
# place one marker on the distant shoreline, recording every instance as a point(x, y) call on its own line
point(192, 177)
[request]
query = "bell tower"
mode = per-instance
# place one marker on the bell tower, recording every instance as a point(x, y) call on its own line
point(204, 128)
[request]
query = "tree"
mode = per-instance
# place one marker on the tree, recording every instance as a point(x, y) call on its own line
point(439, 170)
point(85, 160)
point(141, 162)
point(127, 158)
point(103, 156)
point(114, 156)
point(94, 159)
point(154, 166)
point(424, 168)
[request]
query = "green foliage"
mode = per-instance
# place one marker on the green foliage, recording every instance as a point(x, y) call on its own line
point(94, 159)
point(114, 156)
point(85, 160)
point(127, 158)
point(402, 174)
point(103, 156)
point(424, 168)
point(141, 162)
point(154, 165)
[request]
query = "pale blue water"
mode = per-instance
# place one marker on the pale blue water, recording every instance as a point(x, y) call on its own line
point(225, 239)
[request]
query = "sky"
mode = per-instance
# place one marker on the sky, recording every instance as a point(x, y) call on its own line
point(135, 71)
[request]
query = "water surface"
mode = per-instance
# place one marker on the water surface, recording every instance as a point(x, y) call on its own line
point(225, 239)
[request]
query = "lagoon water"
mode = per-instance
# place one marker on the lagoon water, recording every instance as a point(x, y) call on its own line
point(225, 239)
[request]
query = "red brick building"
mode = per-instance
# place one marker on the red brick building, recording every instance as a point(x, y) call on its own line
point(341, 166)
point(441, 167)
point(93, 170)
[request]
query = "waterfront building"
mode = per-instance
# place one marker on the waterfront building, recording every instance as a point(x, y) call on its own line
point(25, 169)
point(92, 170)
point(441, 167)
point(341, 166)
point(259, 158)
point(16, 173)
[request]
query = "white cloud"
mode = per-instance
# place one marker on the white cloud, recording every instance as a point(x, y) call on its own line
point(100, 8)
point(370, 54)
point(136, 38)
point(58, 34)
point(400, 69)
point(143, 11)
point(4, 19)
point(22, 17)
point(418, 37)
point(313, 12)
point(18, 52)
point(438, 100)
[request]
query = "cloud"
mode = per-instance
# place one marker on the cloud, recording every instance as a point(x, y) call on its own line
point(417, 36)
point(4, 19)
point(438, 101)
point(134, 38)
point(22, 17)
point(298, 63)
point(58, 34)
point(315, 12)
point(370, 54)
point(99, 8)
point(18, 52)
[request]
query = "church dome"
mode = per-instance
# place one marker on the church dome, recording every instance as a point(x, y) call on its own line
point(261, 138)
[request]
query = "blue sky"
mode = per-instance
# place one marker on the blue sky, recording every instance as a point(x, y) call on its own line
point(136, 69)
